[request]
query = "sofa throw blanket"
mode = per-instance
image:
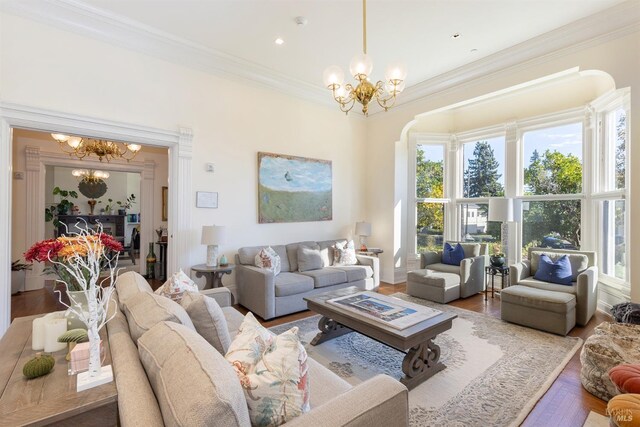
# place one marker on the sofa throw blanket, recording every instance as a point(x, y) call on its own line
point(268, 259)
point(452, 255)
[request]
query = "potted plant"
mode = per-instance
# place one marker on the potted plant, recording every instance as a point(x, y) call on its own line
point(126, 204)
point(63, 207)
point(18, 270)
point(108, 207)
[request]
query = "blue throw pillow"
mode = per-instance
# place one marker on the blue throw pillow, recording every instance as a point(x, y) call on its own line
point(452, 255)
point(554, 272)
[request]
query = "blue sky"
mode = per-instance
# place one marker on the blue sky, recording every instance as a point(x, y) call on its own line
point(567, 139)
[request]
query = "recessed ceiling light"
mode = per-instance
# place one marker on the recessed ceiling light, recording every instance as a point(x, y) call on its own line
point(474, 50)
point(279, 41)
point(456, 35)
point(301, 20)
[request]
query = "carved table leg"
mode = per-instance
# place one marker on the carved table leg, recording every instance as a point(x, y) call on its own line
point(420, 363)
point(329, 329)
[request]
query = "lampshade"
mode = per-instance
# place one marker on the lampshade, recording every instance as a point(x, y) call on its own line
point(501, 209)
point(213, 235)
point(363, 229)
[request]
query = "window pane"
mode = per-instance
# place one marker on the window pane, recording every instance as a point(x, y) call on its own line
point(430, 228)
point(613, 239)
point(429, 171)
point(483, 174)
point(553, 160)
point(620, 126)
point(551, 224)
point(474, 226)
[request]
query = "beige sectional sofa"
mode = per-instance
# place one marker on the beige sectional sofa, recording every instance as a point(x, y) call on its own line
point(206, 386)
point(269, 295)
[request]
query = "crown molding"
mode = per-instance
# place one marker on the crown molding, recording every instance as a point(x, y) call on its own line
point(83, 19)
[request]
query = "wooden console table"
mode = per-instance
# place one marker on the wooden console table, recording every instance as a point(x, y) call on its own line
point(52, 398)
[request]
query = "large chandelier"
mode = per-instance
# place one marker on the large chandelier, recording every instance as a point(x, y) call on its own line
point(384, 92)
point(89, 175)
point(83, 147)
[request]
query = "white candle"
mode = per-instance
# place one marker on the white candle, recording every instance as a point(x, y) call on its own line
point(37, 334)
point(53, 328)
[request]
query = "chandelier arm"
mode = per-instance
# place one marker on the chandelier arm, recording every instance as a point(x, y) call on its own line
point(384, 102)
point(343, 105)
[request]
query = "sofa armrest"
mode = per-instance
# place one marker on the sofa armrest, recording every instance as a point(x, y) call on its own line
point(519, 271)
point(586, 295)
point(472, 276)
point(221, 295)
point(430, 257)
point(374, 263)
point(257, 290)
point(380, 401)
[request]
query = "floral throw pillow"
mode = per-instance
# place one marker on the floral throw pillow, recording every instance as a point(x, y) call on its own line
point(268, 259)
point(176, 286)
point(344, 253)
point(273, 372)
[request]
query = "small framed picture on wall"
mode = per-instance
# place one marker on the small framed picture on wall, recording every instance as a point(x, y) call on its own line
point(165, 203)
point(206, 199)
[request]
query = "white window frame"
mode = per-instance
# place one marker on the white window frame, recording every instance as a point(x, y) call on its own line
point(436, 139)
point(603, 189)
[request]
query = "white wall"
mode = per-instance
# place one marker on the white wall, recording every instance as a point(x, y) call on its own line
point(619, 57)
point(232, 122)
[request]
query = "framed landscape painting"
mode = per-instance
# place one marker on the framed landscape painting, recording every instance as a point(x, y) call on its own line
point(293, 189)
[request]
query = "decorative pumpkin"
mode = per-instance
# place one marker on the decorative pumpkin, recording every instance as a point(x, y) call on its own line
point(74, 335)
point(626, 377)
point(40, 365)
point(624, 410)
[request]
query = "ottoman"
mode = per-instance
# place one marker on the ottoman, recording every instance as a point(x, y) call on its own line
point(549, 311)
point(433, 285)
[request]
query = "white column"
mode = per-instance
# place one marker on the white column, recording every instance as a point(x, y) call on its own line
point(452, 185)
point(5, 226)
point(147, 233)
point(181, 202)
point(35, 214)
point(513, 168)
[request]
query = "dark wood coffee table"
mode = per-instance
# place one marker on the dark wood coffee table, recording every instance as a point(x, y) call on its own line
point(422, 359)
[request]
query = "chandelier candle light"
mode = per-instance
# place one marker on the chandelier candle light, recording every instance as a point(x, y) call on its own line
point(83, 147)
point(384, 92)
point(212, 236)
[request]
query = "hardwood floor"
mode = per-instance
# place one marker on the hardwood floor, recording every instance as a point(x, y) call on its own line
point(566, 403)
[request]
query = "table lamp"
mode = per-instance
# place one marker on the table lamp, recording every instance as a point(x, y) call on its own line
point(501, 210)
point(363, 229)
point(212, 236)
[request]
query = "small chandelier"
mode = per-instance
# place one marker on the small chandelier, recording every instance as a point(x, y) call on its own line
point(384, 92)
point(89, 175)
point(83, 147)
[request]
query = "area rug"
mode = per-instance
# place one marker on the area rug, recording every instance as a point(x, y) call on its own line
point(496, 371)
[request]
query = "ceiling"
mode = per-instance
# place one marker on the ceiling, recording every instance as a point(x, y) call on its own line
point(417, 33)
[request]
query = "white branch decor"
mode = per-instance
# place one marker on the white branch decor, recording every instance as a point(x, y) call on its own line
point(80, 258)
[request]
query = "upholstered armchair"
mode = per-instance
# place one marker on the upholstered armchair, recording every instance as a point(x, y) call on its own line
point(471, 269)
point(584, 284)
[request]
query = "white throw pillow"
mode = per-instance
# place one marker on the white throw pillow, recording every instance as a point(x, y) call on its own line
point(273, 372)
point(178, 284)
point(268, 259)
point(345, 253)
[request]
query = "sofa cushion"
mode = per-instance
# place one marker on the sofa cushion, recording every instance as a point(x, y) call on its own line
point(209, 320)
point(327, 276)
point(247, 255)
point(534, 283)
point(193, 383)
point(327, 251)
point(130, 284)
point(146, 309)
point(273, 372)
point(292, 252)
point(356, 272)
point(579, 262)
point(292, 283)
point(452, 255)
point(234, 319)
point(324, 384)
point(445, 268)
point(309, 258)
